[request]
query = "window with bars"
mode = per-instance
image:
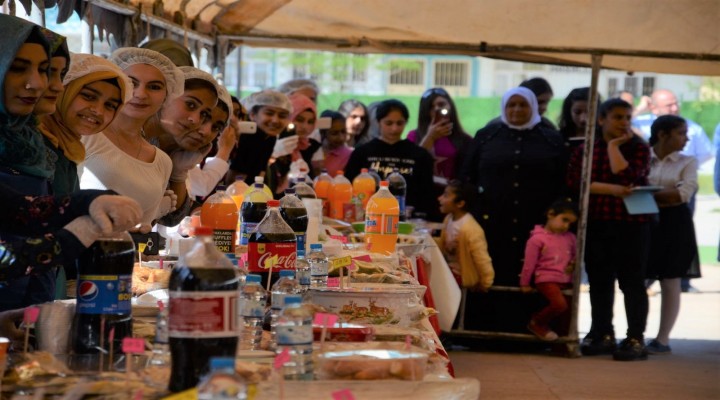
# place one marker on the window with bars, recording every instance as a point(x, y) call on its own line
point(648, 85)
point(407, 72)
point(631, 83)
point(302, 67)
point(612, 86)
point(451, 73)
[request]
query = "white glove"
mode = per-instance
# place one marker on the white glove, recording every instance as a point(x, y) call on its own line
point(285, 146)
point(183, 161)
point(115, 213)
point(84, 229)
point(297, 165)
point(168, 203)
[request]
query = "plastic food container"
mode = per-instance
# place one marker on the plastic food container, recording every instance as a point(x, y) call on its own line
point(374, 306)
point(371, 365)
point(341, 332)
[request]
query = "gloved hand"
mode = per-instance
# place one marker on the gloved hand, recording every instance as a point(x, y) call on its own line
point(297, 165)
point(84, 229)
point(183, 161)
point(115, 213)
point(285, 146)
point(168, 203)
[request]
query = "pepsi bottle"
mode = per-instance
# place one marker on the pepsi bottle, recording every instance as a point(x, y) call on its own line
point(104, 295)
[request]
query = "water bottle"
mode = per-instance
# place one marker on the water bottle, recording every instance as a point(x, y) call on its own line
point(222, 383)
point(286, 285)
point(251, 309)
point(295, 333)
point(161, 349)
point(302, 271)
point(318, 266)
point(398, 188)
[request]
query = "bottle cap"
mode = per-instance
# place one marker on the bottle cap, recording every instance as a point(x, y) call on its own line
point(252, 278)
point(220, 187)
point(273, 203)
point(258, 185)
point(287, 273)
point(384, 183)
point(316, 246)
point(324, 170)
point(293, 299)
point(203, 231)
point(259, 179)
point(340, 172)
point(289, 191)
point(222, 363)
point(363, 170)
point(395, 170)
point(239, 177)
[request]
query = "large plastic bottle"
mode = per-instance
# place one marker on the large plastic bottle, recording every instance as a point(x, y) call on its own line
point(381, 221)
point(161, 350)
point(272, 237)
point(286, 285)
point(266, 189)
point(237, 190)
point(303, 177)
point(251, 311)
point(364, 187)
point(222, 383)
point(340, 197)
point(302, 270)
point(294, 213)
point(202, 319)
point(372, 172)
point(103, 293)
point(398, 188)
point(303, 190)
point(220, 213)
point(254, 208)
point(318, 266)
point(322, 188)
point(295, 332)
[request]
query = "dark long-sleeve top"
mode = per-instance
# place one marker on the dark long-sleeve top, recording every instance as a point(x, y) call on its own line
point(252, 155)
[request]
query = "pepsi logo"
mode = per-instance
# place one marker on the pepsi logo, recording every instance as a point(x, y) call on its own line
point(87, 291)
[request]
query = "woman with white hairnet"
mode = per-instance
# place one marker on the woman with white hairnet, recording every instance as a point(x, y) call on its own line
point(120, 158)
point(95, 91)
point(270, 110)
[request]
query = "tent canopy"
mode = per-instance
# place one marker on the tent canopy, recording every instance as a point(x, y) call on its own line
point(665, 36)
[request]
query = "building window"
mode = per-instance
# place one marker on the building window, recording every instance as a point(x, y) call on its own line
point(612, 87)
point(407, 72)
point(359, 67)
point(257, 75)
point(648, 85)
point(631, 83)
point(451, 73)
point(302, 66)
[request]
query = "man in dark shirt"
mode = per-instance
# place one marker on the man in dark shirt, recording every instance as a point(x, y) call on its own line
point(617, 242)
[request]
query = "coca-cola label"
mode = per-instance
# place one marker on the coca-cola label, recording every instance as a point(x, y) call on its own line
point(381, 223)
point(202, 314)
point(288, 335)
point(224, 240)
point(104, 294)
point(259, 252)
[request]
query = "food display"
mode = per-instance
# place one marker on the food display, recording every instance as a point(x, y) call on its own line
point(146, 278)
point(372, 364)
point(374, 306)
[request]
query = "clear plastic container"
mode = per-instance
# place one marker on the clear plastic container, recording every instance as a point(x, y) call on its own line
point(286, 285)
point(251, 310)
point(318, 266)
point(302, 270)
point(295, 333)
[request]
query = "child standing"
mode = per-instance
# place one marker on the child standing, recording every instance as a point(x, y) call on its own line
point(549, 259)
point(462, 240)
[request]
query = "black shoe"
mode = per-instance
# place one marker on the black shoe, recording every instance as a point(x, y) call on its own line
point(630, 349)
point(596, 345)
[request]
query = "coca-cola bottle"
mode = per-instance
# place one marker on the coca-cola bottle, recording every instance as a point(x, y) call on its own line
point(272, 237)
point(294, 213)
point(303, 190)
point(253, 210)
point(202, 320)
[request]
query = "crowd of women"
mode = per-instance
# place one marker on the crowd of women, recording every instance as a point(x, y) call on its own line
point(89, 146)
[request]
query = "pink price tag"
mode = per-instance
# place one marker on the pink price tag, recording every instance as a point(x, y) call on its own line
point(333, 282)
point(342, 239)
point(161, 305)
point(282, 358)
point(31, 315)
point(323, 319)
point(133, 345)
point(343, 394)
point(365, 258)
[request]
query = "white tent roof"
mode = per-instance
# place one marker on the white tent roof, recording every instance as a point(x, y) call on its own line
point(666, 36)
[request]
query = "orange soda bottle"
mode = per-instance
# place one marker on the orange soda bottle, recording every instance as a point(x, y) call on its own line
point(363, 187)
point(382, 216)
point(340, 196)
point(220, 212)
point(237, 190)
point(322, 185)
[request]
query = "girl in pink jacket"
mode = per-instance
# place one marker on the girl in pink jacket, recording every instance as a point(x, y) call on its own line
point(549, 262)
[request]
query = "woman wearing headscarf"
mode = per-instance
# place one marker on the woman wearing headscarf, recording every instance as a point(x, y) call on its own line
point(119, 158)
point(39, 233)
point(95, 92)
point(517, 167)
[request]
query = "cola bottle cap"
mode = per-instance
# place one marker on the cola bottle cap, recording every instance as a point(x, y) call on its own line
point(273, 203)
point(384, 183)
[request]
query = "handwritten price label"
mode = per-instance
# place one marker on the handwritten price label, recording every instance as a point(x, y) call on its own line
point(31, 315)
point(282, 358)
point(341, 239)
point(141, 247)
point(338, 262)
point(271, 262)
point(326, 320)
point(343, 394)
point(133, 345)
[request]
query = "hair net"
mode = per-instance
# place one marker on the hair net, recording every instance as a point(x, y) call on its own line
point(176, 52)
point(294, 85)
point(267, 97)
point(224, 96)
point(174, 77)
point(196, 73)
point(84, 64)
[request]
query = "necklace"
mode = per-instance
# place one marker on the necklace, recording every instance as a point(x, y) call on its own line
point(140, 140)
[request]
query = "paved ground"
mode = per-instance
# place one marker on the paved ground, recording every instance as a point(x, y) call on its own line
point(691, 372)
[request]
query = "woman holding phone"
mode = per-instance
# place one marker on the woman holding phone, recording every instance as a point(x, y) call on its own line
point(439, 131)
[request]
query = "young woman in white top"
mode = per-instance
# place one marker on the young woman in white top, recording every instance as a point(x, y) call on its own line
point(120, 158)
point(673, 247)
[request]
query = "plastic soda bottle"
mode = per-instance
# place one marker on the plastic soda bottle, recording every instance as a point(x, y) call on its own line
point(398, 188)
point(202, 314)
point(286, 285)
point(273, 242)
point(364, 187)
point(340, 197)
point(295, 333)
point(222, 383)
point(266, 189)
point(318, 266)
point(322, 187)
point(253, 210)
point(251, 311)
point(303, 190)
point(220, 212)
point(372, 172)
point(381, 221)
point(294, 213)
point(237, 190)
